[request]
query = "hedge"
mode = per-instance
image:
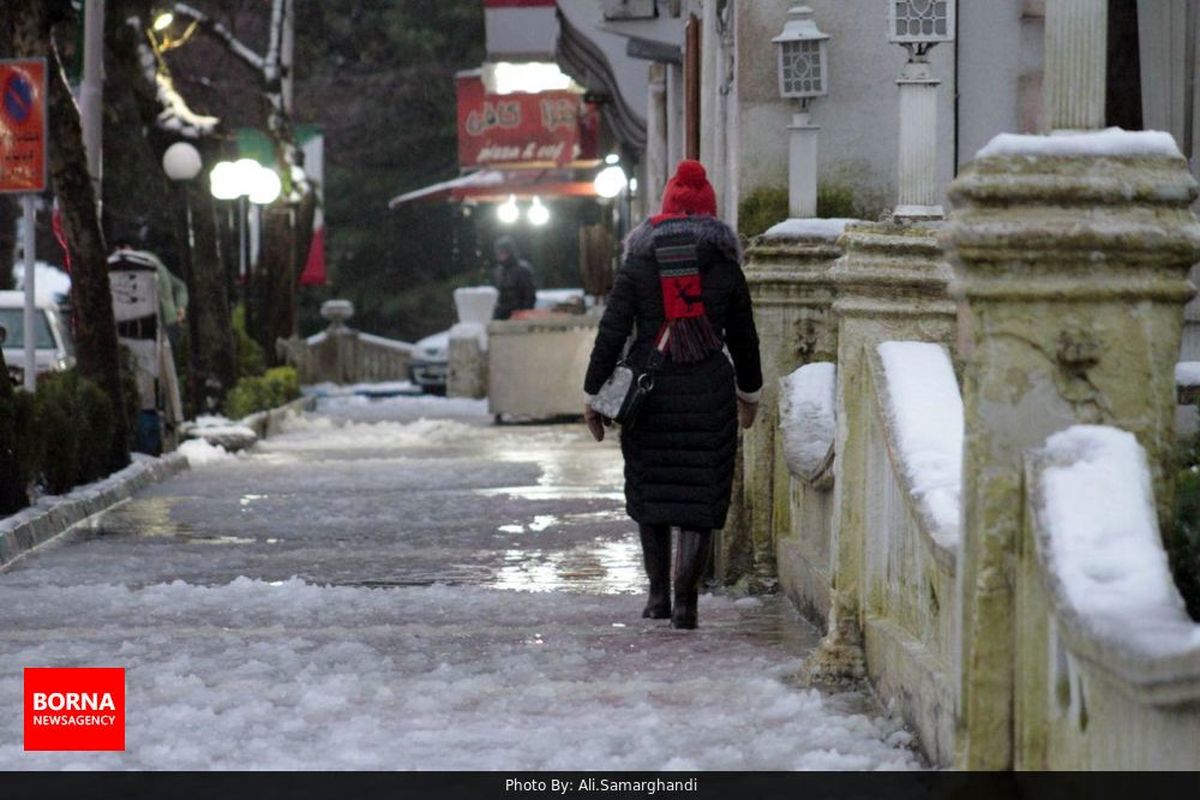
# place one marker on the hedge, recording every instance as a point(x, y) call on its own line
point(262, 392)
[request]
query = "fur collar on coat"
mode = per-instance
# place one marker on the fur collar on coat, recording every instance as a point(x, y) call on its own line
point(709, 231)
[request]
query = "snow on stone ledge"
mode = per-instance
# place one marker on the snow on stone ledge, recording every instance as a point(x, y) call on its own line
point(812, 228)
point(1102, 544)
point(807, 418)
point(1109, 142)
point(1187, 373)
point(926, 411)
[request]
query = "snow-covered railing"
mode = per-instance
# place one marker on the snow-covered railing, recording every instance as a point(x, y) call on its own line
point(340, 354)
point(1113, 658)
point(911, 487)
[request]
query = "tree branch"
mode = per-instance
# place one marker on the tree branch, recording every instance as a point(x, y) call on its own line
point(216, 29)
point(175, 114)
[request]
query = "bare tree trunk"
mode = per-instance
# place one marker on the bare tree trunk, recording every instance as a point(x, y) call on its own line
point(95, 330)
point(212, 366)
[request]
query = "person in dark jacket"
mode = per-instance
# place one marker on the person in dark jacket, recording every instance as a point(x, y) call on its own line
point(682, 277)
point(514, 278)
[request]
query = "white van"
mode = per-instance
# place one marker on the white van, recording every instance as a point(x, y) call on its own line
point(54, 352)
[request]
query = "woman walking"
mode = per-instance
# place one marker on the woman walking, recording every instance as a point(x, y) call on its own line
point(682, 277)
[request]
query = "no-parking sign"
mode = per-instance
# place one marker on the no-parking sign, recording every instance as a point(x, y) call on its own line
point(23, 125)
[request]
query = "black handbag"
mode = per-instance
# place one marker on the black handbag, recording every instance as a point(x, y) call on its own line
point(624, 393)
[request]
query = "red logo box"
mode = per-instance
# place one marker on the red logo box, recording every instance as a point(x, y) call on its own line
point(75, 709)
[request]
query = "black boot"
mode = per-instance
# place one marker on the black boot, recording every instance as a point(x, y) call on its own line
point(690, 560)
point(656, 550)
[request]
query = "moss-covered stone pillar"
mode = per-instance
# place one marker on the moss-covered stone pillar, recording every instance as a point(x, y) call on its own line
point(891, 285)
point(787, 270)
point(1071, 254)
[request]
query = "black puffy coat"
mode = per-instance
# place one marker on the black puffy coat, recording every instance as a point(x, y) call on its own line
point(679, 456)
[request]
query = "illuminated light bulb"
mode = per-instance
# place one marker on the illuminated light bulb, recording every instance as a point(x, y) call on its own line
point(507, 212)
point(538, 214)
point(610, 181)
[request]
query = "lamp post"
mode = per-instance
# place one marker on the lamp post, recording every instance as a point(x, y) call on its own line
point(803, 64)
point(918, 26)
point(182, 163)
point(245, 181)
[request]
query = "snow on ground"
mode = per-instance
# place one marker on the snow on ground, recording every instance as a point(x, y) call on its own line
point(1108, 142)
point(1103, 539)
point(200, 453)
point(429, 594)
point(926, 406)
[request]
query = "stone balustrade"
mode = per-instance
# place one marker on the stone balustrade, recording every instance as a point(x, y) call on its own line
point(1053, 297)
point(342, 355)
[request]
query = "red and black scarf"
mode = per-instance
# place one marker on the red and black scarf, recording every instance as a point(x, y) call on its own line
point(692, 336)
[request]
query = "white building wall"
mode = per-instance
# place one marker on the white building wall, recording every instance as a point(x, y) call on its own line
point(859, 119)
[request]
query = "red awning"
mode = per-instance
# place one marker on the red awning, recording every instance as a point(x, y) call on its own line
point(497, 185)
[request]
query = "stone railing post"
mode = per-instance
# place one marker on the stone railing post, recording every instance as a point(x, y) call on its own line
point(1072, 266)
point(891, 285)
point(788, 275)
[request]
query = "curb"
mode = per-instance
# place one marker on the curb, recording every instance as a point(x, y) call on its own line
point(266, 423)
point(51, 516)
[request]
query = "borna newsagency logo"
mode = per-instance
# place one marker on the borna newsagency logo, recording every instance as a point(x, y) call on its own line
point(78, 708)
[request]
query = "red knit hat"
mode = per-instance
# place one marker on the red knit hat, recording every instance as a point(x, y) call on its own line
point(689, 192)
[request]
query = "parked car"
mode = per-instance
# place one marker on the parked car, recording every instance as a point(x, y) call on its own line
point(53, 351)
point(430, 363)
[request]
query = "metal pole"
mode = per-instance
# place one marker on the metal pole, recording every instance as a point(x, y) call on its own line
point(287, 55)
point(28, 243)
point(242, 212)
point(91, 88)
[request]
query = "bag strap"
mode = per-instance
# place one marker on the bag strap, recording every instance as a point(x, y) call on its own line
point(655, 361)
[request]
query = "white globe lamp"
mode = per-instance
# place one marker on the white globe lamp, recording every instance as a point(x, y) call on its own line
point(181, 161)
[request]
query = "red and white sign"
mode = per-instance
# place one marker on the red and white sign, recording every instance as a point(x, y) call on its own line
point(547, 128)
point(81, 708)
point(23, 125)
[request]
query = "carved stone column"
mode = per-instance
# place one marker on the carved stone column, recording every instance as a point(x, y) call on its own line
point(1073, 269)
point(788, 275)
point(891, 285)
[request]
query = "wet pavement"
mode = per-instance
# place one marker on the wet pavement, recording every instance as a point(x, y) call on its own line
point(407, 567)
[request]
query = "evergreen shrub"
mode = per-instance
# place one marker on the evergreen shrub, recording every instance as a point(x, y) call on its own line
point(262, 392)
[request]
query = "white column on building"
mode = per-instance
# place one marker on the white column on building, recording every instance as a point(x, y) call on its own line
point(674, 116)
point(918, 142)
point(1076, 64)
point(656, 137)
point(802, 166)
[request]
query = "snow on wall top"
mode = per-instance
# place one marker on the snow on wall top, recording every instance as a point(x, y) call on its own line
point(925, 407)
point(808, 228)
point(1108, 142)
point(807, 418)
point(1187, 373)
point(1102, 539)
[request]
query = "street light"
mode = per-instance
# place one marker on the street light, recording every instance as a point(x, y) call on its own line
point(163, 21)
point(610, 181)
point(920, 23)
point(507, 212)
point(918, 26)
point(182, 162)
point(538, 214)
point(244, 180)
point(803, 65)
